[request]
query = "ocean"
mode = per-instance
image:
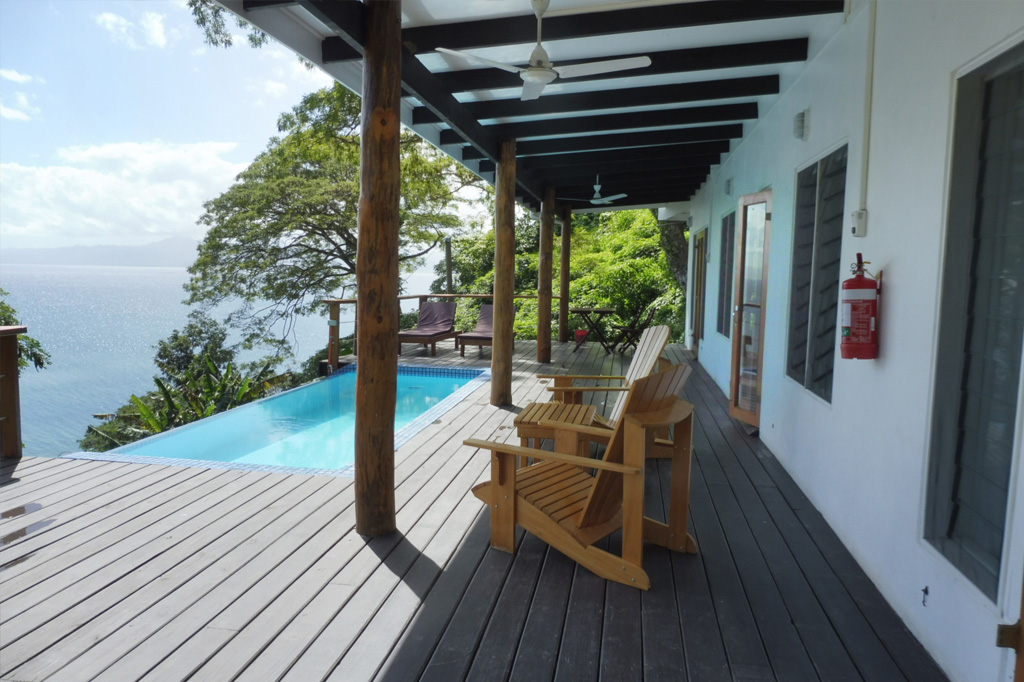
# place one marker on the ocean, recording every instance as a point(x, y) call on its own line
point(101, 325)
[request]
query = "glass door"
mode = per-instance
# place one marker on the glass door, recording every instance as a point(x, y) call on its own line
point(755, 217)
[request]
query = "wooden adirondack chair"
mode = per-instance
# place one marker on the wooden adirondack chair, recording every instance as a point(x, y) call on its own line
point(567, 406)
point(559, 501)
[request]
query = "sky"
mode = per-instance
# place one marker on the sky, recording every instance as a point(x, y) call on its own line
point(117, 121)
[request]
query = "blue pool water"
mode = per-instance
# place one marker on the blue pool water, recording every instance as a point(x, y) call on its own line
point(311, 427)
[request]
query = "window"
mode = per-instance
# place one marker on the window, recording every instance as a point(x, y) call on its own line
point(814, 293)
point(725, 274)
point(981, 325)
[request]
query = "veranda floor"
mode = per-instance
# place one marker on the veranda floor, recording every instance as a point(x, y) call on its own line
point(112, 571)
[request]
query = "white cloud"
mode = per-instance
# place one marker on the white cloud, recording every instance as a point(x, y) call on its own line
point(12, 114)
point(119, 28)
point(275, 89)
point(153, 27)
point(114, 194)
point(150, 30)
point(12, 75)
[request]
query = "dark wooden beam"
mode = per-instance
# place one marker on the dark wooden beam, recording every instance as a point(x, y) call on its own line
point(377, 310)
point(699, 149)
point(523, 29)
point(345, 17)
point(670, 61)
point(620, 140)
point(615, 99)
point(653, 176)
point(550, 176)
point(609, 122)
point(504, 276)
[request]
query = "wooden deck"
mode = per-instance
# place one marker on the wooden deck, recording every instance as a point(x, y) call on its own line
point(112, 571)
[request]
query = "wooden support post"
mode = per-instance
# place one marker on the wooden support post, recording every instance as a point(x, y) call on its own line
point(10, 396)
point(504, 275)
point(563, 289)
point(333, 334)
point(547, 231)
point(377, 270)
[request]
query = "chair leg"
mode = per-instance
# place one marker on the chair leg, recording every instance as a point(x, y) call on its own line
point(503, 501)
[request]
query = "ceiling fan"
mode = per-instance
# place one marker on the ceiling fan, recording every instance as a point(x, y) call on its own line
point(541, 71)
point(597, 199)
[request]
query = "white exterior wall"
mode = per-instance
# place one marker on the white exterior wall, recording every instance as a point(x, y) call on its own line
point(863, 459)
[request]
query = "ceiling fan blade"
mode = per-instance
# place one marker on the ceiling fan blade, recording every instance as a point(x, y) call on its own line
point(614, 197)
point(571, 199)
point(532, 89)
point(481, 60)
point(607, 66)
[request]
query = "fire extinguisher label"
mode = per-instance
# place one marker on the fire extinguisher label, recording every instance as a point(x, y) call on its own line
point(858, 322)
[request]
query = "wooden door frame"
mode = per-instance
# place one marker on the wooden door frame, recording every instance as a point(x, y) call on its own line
point(700, 295)
point(763, 197)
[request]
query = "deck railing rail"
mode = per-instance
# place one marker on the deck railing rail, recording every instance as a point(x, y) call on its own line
point(334, 315)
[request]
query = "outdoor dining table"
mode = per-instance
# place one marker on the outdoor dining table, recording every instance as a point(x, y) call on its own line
point(593, 317)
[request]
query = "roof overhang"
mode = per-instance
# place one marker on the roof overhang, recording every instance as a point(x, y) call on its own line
point(652, 133)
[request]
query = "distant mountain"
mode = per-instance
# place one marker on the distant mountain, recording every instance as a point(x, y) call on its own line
point(172, 252)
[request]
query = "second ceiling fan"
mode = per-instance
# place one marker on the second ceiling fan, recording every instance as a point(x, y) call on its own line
point(541, 71)
point(597, 199)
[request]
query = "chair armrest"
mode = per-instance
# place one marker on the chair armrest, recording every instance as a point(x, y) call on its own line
point(666, 416)
point(582, 377)
point(581, 389)
point(583, 462)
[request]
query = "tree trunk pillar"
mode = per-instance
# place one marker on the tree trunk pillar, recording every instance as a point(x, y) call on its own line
point(377, 270)
point(547, 231)
point(563, 289)
point(504, 275)
point(10, 396)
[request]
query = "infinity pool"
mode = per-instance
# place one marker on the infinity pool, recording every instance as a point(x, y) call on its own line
point(310, 427)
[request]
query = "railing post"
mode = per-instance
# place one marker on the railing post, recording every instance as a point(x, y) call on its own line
point(10, 397)
point(563, 276)
point(547, 229)
point(333, 334)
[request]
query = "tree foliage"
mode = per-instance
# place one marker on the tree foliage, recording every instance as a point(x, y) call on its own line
point(284, 236)
point(197, 378)
point(30, 351)
point(210, 18)
point(616, 262)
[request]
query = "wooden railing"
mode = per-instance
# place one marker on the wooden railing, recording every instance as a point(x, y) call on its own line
point(334, 316)
point(10, 398)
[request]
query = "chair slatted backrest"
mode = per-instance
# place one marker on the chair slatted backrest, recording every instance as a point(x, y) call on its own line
point(645, 361)
point(645, 395)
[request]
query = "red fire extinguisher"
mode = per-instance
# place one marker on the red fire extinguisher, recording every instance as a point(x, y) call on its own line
point(860, 313)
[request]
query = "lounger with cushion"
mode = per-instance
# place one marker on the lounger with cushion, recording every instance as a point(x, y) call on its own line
point(483, 335)
point(437, 323)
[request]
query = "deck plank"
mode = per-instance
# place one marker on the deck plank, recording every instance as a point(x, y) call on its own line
point(179, 573)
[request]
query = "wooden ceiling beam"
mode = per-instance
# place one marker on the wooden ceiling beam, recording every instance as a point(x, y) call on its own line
point(693, 149)
point(620, 140)
point(551, 176)
point(522, 29)
point(609, 122)
point(666, 62)
point(615, 99)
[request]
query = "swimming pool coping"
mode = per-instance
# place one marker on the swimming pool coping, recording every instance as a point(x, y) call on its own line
point(402, 436)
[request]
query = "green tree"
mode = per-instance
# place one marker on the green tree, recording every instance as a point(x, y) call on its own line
point(210, 18)
point(616, 262)
point(29, 349)
point(187, 349)
point(284, 236)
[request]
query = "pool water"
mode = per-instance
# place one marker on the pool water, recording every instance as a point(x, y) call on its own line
point(310, 427)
